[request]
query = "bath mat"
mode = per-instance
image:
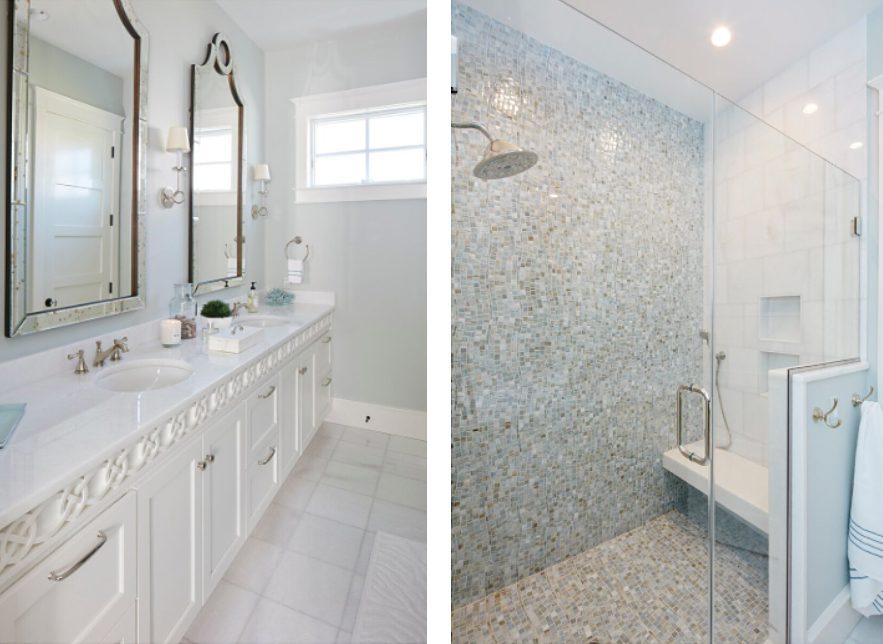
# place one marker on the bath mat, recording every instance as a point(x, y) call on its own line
point(393, 605)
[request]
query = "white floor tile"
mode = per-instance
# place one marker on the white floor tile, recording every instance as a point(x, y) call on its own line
point(401, 490)
point(310, 467)
point(321, 447)
point(340, 505)
point(365, 553)
point(310, 586)
point(295, 493)
point(254, 565)
point(413, 467)
point(271, 623)
point(348, 621)
point(365, 437)
point(398, 519)
point(344, 637)
point(410, 446)
point(327, 540)
point(331, 430)
point(355, 478)
point(277, 525)
point(224, 616)
point(358, 454)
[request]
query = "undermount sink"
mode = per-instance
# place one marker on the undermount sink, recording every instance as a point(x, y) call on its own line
point(262, 321)
point(144, 375)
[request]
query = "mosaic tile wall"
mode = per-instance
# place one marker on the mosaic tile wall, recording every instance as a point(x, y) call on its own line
point(575, 303)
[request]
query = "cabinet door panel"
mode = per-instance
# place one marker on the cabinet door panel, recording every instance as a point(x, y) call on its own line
point(289, 436)
point(170, 547)
point(223, 493)
point(263, 412)
point(88, 600)
point(306, 390)
point(263, 477)
point(323, 399)
point(323, 354)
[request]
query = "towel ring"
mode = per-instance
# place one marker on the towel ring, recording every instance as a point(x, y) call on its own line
point(858, 400)
point(297, 240)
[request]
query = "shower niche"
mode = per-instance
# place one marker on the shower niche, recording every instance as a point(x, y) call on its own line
point(780, 318)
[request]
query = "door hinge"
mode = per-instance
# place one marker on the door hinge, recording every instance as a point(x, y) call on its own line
point(856, 226)
point(110, 287)
point(113, 151)
point(111, 219)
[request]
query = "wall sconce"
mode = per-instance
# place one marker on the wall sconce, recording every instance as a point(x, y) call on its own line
point(178, 142)
point(262, 176)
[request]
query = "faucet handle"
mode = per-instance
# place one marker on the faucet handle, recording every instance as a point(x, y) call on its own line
point(81, 362)
point(122, 343)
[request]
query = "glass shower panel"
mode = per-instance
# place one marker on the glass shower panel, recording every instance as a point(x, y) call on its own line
point(786, 293)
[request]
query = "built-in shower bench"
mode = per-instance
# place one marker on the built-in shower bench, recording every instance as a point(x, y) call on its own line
point(741, 486)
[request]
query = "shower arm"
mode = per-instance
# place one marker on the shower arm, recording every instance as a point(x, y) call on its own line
point(474, 126)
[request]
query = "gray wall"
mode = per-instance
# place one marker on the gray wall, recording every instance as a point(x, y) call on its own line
point(371, 254)
point(574, 317)
point(179, 33)
point(62, 72)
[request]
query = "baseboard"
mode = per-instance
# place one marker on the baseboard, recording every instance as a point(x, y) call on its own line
point(836, 621)
point(392, 420)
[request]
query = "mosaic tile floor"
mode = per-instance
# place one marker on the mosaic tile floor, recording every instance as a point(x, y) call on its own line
point(647, 585)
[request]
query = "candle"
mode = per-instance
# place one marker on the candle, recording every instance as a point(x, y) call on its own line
point(170, 332)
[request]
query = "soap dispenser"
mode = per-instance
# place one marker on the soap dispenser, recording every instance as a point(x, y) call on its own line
point(252, 302)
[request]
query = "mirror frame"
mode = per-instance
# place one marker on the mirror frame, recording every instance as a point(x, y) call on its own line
point(219, 59)
point(18, 320)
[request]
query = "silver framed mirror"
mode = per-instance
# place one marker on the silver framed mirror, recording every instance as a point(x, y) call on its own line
point(217, 162)
point(76, 170)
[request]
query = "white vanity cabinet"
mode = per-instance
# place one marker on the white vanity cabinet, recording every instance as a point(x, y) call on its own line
point(263, 466)
point(82, 592)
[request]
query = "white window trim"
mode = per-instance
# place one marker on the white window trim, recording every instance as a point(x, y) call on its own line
point(410, 92)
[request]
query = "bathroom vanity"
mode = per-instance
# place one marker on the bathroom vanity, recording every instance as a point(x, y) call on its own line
point(121, 511)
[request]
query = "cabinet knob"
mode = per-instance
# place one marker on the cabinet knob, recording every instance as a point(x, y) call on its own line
point(200, 465)
point(302, 370)
point(209, 458)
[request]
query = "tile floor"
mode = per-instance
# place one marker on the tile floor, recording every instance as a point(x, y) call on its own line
point(647, 585)
point(867, 631)
point(299, 576)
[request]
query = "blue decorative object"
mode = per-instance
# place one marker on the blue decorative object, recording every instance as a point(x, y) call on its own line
point(278, 297)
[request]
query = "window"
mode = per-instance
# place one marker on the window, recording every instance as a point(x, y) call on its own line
point(381, 146)
point(363, 144)
point(213, 159)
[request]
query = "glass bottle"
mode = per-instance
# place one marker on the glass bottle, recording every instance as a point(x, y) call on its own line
point(183, 307)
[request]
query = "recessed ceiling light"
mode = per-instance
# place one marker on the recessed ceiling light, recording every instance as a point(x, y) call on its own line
point(810, 108)
point(855, 145)
point(721, 36)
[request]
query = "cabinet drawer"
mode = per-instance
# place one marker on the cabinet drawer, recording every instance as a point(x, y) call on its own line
point(83, 590)
point(263, 477)
point(263, 412)
point(323, 354)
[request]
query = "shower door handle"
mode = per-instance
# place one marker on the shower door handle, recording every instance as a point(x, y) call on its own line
point(706, 400)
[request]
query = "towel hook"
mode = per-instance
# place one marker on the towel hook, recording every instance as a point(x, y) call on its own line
point(297, 240)
point(819, 415)
point(857, 400)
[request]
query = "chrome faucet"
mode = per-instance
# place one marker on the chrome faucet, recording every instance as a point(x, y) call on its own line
point(81, 362)
point(237, 306)
point(114, 353)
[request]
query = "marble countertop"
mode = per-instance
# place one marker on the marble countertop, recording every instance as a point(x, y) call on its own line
point(71, 424)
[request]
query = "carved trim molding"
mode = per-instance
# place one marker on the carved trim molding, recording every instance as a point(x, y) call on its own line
point(24, 538)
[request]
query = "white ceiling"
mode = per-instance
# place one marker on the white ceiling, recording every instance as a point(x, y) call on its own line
point(278, 24)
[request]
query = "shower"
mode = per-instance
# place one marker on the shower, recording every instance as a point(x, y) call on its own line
point(501, 158)
point(719, 357)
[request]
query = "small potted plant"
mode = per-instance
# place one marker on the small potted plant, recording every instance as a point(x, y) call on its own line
point(216, 314)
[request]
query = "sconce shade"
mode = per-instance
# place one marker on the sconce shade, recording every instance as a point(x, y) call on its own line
point(178, 140)
point(261, 172)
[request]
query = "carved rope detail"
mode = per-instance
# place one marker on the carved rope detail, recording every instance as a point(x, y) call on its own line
point(22, 537)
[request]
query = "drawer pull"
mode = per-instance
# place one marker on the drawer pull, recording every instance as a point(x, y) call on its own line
point(269, 457)
point(326, 339)
point(326, 382)
point(67, 572)
point(268, 394)
point(302, 370)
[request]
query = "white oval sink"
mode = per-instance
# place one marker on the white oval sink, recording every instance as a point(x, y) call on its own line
point(144, 375)
point(262, 321)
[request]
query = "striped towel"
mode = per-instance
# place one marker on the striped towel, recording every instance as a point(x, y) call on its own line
point(865, 541)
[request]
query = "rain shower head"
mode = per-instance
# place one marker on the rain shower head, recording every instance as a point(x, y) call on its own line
point(501, 158)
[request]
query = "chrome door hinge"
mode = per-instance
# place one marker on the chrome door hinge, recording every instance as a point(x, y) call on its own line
point(856, 226)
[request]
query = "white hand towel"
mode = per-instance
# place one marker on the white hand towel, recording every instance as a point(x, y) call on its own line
point(865, 544)
point(295, 271)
